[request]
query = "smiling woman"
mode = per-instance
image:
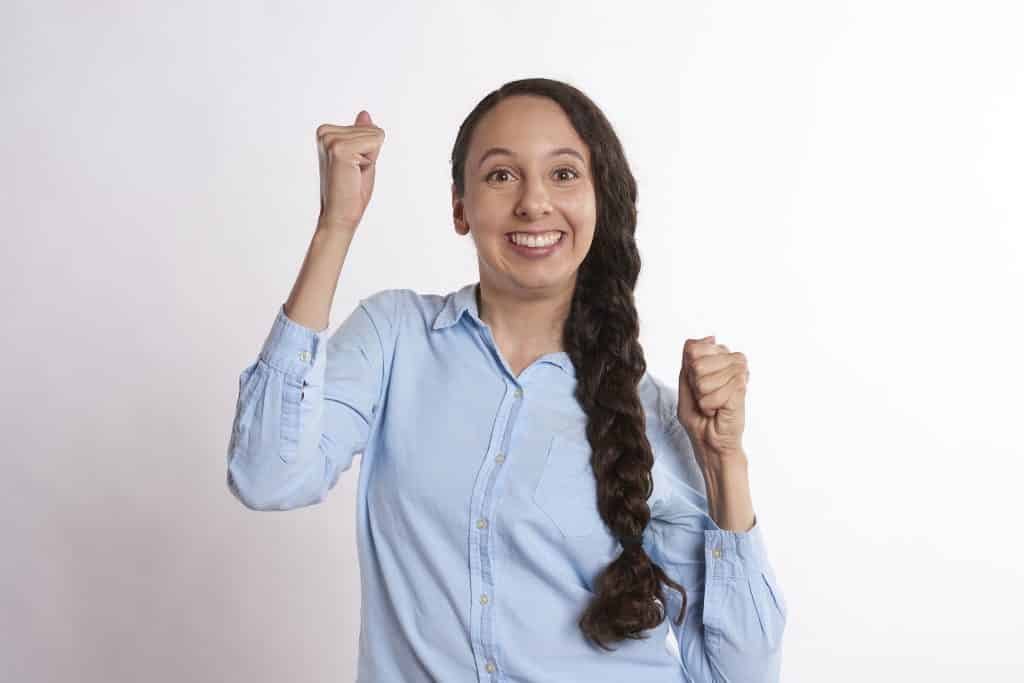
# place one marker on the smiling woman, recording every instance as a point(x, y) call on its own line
point(539, 134)
point(529, 497)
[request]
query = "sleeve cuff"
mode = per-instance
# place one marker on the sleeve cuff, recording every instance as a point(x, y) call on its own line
point(734, 554)
point(294, 349)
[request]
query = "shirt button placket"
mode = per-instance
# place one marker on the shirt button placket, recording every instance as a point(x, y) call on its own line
point(481, 523)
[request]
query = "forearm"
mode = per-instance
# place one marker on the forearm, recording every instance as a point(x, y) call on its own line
point(728, 489)
point(309, 303)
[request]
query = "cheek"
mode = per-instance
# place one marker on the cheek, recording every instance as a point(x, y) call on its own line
point(580, 204)
point(582, 244)
point(583, 221)
point(582, 211)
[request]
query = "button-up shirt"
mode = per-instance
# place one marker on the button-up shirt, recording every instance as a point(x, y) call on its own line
point(478, 533)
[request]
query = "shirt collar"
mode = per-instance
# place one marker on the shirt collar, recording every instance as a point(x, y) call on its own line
point(464, 301)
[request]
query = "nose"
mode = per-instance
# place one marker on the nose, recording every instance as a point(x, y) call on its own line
point(534, 200)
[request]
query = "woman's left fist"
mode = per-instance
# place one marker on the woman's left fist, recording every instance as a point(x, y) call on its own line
point(712, 389)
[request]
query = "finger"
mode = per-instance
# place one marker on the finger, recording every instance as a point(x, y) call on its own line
point(365, 125)
point(696, 348)
point(368, 145)
point(713, 363)
point(718, 398)
point(707, 382)
point(350, 133)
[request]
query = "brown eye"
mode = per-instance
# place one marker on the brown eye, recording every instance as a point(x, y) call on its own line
point(557, 171)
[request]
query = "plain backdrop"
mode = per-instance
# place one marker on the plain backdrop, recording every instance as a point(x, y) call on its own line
point(832, 188)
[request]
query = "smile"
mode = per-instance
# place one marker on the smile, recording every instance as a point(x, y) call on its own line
point(535, 246)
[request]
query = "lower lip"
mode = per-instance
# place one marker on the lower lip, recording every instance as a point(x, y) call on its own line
point(534, 252)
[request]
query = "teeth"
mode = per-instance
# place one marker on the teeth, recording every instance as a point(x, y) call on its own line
point(544, 240)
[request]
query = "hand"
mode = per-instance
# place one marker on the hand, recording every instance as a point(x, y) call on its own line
point(712, 389)
point(348, 166)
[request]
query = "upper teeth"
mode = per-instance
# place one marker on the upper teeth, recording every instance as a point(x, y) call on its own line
point(530, 240)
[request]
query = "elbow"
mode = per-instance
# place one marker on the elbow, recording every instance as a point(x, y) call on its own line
point(248, 496)
point(266, 495)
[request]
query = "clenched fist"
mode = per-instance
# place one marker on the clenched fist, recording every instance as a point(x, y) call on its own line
point(348, 164)
point(712, 389)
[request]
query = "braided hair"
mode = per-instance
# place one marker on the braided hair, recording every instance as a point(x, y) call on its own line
point(601, 337)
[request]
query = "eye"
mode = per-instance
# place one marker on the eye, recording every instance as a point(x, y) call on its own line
point(558, 170)
point(495, 171)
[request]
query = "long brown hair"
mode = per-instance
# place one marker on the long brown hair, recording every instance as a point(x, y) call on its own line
point(601, 337)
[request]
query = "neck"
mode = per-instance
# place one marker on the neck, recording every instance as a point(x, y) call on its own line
point(529, 323)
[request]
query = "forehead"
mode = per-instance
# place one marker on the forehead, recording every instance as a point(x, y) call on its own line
point(529, 126)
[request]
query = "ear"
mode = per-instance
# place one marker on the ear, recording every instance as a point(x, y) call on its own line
point(458, 214)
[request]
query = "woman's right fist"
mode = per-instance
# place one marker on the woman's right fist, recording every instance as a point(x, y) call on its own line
point(348, 164)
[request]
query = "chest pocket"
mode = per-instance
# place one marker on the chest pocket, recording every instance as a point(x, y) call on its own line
point(567, 490)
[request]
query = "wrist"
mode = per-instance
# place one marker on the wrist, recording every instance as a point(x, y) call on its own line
point(326, 223)
point(727, 487)
point(721, 460)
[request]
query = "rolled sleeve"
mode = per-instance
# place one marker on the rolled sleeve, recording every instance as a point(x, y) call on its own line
point(307, 405)
point(744, 609)
point(294, 349)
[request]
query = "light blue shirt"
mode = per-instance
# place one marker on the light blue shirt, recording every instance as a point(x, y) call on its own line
point(477, 525)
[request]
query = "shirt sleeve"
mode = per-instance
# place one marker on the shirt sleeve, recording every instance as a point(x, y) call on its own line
point(736, 613)
point(307, 405)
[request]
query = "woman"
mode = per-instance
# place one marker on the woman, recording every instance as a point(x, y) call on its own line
point(528, 494)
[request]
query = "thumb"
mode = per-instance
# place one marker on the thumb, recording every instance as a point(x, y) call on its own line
point(363, 118)
point(687, 404)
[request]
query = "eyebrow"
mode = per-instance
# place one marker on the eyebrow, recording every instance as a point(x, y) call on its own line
point(554, 153)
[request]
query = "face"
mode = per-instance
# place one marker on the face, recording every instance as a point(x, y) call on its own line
point(540, 183)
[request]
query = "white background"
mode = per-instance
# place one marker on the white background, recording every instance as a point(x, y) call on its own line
point(833, 188)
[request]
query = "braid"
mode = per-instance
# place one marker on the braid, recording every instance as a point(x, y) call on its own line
point(601, 338)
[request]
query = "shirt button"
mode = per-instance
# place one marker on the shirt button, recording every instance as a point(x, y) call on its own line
point(499, 458)
point(490, 667)
point(481, 523)
point(519, 393)
point(304, 356)
point(717, 552)
point(483, 599)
